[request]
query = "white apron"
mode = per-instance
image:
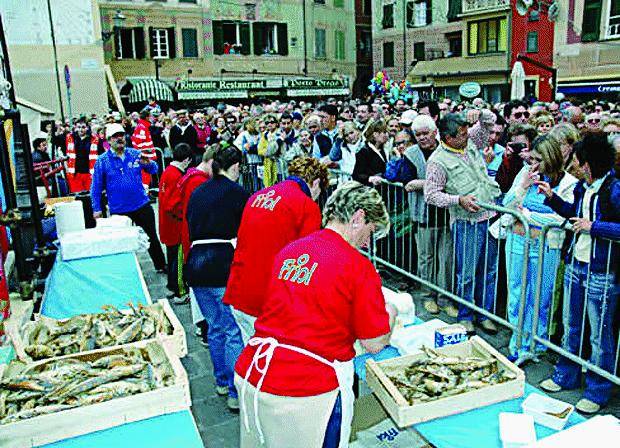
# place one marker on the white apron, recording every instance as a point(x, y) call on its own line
point(306, 417)
point(195, 309)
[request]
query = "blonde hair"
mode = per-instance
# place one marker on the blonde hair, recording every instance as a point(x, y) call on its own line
point(309, 169)
point(352, 196)
point(550, 150)
point(565, 133)
point(541, 118)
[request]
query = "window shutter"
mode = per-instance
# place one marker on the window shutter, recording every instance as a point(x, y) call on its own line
point(139, 40)
point(282, 39)
point(172, 45)
point(258, 32)
point(591, 21)
point(152, 42)
point(429, 12)
point(244, 36)
point(502, 38)
point(218, 37)
point(473, 38)
point(117, 42)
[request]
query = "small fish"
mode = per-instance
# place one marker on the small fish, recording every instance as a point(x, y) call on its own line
point(39, 351)
point(130, 333)
point(561, 415)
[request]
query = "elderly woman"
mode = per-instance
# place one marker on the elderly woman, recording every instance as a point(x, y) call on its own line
point(546, 163)
point(370, 161)
point(295, 376)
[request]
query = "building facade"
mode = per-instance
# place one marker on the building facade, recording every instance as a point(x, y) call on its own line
point(234, 49)
point(587, 49)
point(363, 37)
point(78, 43)
point(532, 41)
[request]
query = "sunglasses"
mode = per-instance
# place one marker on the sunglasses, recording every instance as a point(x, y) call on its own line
point(594, 120)
point(402, 142)
point(525, 114)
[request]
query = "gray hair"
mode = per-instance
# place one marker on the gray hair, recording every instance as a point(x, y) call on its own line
point(423, 122)
point(450, 124)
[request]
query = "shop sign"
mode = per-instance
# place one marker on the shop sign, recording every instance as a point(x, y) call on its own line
point(608, 87)
point(317, 92)
point(310, 83)
point(470, 89)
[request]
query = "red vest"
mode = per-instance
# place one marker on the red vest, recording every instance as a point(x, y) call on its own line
point(92, 154)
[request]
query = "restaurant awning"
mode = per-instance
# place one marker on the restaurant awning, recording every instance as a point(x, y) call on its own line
point(145, 88)
point(459, 67)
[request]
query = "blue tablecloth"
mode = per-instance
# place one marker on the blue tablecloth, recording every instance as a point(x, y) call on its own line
point(165, 431)
point(473, 429)
point(84, 285)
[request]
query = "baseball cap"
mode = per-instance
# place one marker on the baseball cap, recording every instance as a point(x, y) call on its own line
point(112, 129)
point(407, 117)
point(297, 116)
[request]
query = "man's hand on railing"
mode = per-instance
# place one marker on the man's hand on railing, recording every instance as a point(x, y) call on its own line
point(375, 180)
point(97, 215)
point(468, 202)
point(415, 185)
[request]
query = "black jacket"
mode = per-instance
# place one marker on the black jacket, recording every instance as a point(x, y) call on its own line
point(189, 136)
point(213, 212)
point(368, 163)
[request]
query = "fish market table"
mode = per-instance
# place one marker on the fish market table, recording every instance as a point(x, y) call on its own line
point(84, 285)
point(478, 428)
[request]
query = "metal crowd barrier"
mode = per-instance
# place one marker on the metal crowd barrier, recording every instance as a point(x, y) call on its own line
point(610, 289)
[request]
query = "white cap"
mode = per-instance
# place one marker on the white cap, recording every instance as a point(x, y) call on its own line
point(113, 128)
point(407, 117)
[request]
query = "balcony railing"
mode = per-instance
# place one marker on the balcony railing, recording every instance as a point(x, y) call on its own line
point(478, 6)
point(613, 29)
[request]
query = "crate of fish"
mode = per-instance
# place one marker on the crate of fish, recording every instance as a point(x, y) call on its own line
point(56, 399)
point(47, 338)
point(439, 382)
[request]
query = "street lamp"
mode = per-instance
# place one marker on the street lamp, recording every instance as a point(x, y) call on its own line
point(117, 22)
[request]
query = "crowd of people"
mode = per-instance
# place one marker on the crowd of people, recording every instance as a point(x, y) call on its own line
point(240, 220)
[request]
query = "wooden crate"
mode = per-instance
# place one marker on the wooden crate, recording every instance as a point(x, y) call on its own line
point(175, 341)
point(74, 422)
point(405, 414)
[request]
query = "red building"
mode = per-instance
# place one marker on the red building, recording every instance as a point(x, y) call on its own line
point(532, 38)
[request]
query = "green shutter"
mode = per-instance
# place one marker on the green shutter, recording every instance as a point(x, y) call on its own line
point(172, 45)
point(258, 31)
point(282, 39)
point(429, 12)
point(473, 38)
point(338, 3)
point(190, 45)
point(244, 36)
point(218, 37)
point(590, 29)
point(139, 39)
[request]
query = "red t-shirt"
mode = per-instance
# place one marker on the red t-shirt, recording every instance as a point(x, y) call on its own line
point(192, 179)
point(272, 218)
point(169, 222)
point(323, 307)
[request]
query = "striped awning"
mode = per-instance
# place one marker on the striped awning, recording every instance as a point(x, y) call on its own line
point(145, 88)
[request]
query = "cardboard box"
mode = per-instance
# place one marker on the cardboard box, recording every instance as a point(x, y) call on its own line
point(405, 414)
point(74, 422)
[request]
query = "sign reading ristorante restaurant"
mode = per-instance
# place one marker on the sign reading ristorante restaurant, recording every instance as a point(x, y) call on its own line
point(213, 88)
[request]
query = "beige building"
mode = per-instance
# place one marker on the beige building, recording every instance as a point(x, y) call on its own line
point(208, 50)
point(79, 47)
point(587, 48)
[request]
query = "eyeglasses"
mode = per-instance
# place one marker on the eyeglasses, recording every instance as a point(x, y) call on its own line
point(594, 120)
point(401, 142)
point(525, 114)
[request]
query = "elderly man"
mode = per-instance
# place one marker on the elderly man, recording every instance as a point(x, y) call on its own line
point(457, 179)
point(432, 236)
point(119, 172)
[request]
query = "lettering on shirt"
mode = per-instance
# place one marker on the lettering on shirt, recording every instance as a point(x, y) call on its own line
point(295, 270)
point(266, 201)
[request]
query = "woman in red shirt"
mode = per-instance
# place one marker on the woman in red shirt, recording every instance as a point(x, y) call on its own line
point(295, 376)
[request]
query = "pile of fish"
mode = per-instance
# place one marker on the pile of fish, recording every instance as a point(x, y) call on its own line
point(30, 390)
point(439, 376)
point(48, 338)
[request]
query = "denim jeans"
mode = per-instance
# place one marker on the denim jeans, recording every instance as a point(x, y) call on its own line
point(515, 245)
point(225, 342)
point(476, 266)
point(599, 293)
point(334, 424)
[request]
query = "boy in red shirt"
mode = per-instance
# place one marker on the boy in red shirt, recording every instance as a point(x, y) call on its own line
point(169, 222)
point(273, 217)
